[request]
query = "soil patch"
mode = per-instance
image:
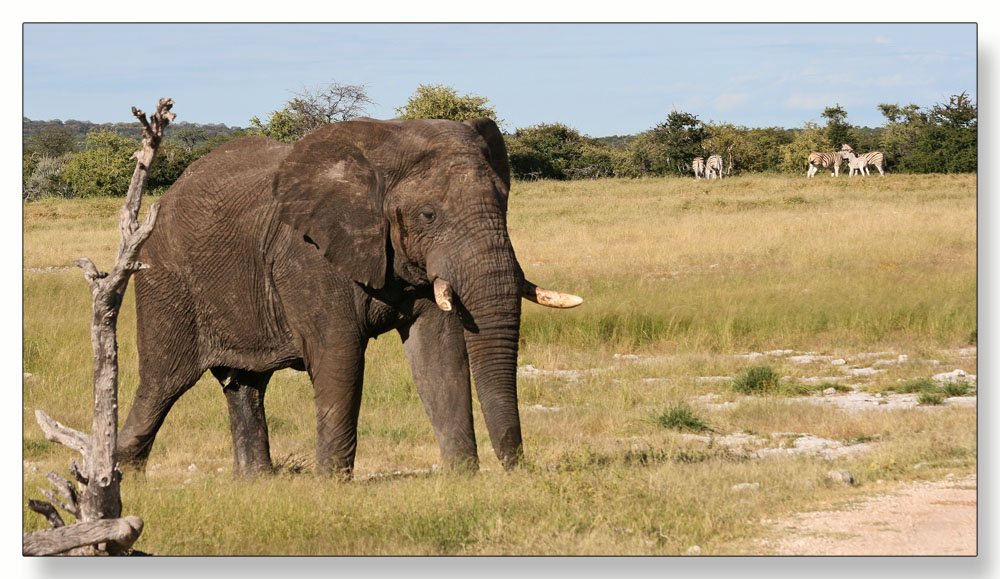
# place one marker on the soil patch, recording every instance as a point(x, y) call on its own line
point(921, 518)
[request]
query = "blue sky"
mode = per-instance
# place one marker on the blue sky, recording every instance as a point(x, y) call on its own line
point(601, 79)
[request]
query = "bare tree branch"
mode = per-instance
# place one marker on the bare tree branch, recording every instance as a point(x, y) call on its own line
point(98, 506)
point(64, 435)
point(48, 511)
point(119, 533)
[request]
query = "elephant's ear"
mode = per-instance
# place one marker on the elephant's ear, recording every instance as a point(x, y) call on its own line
point(331, 193)
point(496, 149)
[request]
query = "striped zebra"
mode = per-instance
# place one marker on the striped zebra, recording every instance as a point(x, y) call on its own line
point(863, 160)
point(698, 165)
point(714, 166)
point(819, 161)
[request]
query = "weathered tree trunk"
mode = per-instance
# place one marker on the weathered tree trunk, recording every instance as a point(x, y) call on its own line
point(97, 506)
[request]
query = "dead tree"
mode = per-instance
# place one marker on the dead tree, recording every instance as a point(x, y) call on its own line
point(95, 500)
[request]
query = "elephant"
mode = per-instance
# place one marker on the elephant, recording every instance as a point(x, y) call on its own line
point(267, 255)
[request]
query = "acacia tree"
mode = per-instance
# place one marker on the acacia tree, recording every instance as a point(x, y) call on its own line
point(312, 109)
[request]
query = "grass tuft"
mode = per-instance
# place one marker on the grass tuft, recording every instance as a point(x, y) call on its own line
point(757, 380)
point(930, 398)
point(680, 417)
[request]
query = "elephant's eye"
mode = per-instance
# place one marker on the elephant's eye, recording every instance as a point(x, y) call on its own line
point(427, 214)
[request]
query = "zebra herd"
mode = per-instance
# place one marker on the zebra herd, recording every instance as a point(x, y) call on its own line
point(709, 169)
point(856, 163)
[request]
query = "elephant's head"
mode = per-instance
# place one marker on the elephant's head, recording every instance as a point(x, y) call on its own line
point(423, 201)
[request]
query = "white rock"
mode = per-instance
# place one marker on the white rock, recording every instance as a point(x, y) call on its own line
point(747, 487)
point(863, 371)
point(829, 391)
point(902, 358)
point(956, 375)
point(841, 476)
point(193, 467)
point(694, 550)
point(838, 362)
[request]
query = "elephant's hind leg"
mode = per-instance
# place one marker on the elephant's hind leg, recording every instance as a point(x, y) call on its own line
point(245, 396)
point(157, 393)
point(169, 364)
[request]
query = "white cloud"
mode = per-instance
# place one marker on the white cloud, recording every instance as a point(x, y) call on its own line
point(889, 81)
point(812, 102)
point(882, 40)
point(727, 102)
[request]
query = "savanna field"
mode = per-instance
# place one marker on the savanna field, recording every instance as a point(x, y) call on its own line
point(739, 340)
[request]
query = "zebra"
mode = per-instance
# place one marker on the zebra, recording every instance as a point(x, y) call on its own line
point(714, 166)
point(819, 161)
point(855, 163)
point(698, 165)
point(863, 160)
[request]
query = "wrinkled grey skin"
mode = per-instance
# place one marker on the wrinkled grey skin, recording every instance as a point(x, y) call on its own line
point(269, 256)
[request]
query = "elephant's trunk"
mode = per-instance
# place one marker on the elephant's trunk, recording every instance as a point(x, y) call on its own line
point(493, 361)
point(490, 296)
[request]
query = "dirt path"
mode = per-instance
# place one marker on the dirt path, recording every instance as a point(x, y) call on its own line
point(922, 518)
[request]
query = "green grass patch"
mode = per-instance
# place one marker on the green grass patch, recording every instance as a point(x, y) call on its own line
point(680, 417)
point(757, 380)
point(930, 398)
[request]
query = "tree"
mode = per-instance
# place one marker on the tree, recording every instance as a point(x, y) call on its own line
point(103, 167)
point(45, 178)
point(97, 505)
point(949, 143)
point(543, 151)
point(940, 140)
point(170, 162)
point(795, 154)
point(838, 131)
point(189, 136)
point(435, 101)
point(902, 130)
point(680, 139)
point(53, 141)
point(312, 109)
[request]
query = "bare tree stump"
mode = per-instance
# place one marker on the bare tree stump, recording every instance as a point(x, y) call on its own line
point(97, 503)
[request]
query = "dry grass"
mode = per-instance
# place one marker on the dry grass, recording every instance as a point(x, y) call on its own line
point(684, 275)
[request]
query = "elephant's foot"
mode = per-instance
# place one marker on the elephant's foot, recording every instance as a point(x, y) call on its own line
point(133, 452)
point(461, 464)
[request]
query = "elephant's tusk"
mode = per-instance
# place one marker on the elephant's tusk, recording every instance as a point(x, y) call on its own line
point(442, 294)
point(549, 298)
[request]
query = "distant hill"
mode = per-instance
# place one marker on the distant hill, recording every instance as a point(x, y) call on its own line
point(79, 129)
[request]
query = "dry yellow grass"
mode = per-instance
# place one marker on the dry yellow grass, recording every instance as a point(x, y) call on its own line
point(686, 275)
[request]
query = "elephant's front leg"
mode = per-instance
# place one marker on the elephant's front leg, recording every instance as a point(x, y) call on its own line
point(245, 396)
point(435, 348)
point(337, 378)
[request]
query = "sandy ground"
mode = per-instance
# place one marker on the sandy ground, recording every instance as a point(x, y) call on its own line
point(921, 518)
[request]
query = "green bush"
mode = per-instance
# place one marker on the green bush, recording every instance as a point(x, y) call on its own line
point(103, 168)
